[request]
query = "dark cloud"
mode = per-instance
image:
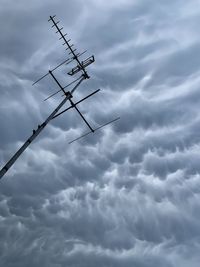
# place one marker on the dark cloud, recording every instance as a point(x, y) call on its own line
point(127, 195)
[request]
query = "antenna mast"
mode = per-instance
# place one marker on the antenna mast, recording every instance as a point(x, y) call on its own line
point(35, 134)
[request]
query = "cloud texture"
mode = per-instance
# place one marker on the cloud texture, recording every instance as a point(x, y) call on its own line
point(128, 195)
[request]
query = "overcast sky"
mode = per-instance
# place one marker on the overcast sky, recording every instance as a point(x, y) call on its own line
point(129, 194)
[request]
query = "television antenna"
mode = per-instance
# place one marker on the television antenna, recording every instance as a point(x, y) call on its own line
point(79, 68)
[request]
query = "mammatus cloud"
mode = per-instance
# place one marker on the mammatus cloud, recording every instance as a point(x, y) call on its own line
point(128, 195)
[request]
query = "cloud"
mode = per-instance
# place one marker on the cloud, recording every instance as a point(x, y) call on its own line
point(128, 194)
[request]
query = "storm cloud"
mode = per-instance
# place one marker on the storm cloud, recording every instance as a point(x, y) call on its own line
point(129, 194)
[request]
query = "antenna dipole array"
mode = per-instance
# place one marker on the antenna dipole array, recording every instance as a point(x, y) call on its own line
point(80, 67)
point(69, 46)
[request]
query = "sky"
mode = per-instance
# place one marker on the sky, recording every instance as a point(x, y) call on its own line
point(127, 195)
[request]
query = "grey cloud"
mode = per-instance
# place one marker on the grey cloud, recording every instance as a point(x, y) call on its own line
point(127, 195)
point(182, 63)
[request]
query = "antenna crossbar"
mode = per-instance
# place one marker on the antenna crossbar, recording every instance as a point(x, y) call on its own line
point(67, 61)
point(50, 72)
point(86, 122)
point(63, 88)
point(76, 103)
point(94, 130)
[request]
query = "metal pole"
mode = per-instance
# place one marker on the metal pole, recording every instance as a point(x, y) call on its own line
point(35, 134)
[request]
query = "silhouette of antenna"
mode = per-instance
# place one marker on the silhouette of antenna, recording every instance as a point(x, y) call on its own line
point(79, 68)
